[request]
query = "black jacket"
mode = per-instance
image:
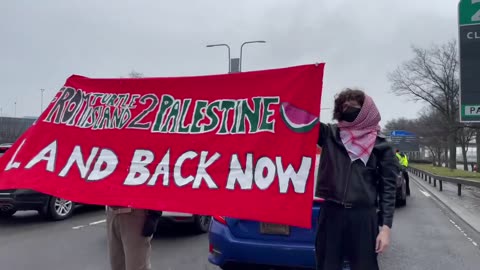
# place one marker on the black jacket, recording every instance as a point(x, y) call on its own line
point(353, 184)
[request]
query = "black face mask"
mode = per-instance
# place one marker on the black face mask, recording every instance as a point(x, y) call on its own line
point(350, 114)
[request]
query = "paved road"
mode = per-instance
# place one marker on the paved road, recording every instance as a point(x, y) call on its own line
point(425, 237)
point(28, 242)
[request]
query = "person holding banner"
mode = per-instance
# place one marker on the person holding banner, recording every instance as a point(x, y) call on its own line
point(357, 176)
point(129, 232)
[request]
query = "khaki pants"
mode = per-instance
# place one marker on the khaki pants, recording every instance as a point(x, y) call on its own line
point(128, 249)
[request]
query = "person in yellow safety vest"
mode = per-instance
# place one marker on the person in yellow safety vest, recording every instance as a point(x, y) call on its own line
point(403, 160)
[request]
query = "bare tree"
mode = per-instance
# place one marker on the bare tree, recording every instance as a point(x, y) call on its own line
point(477, 140)
point(432, 76)
point(135, 74)
point(431, 129)
point(465, 135)
point(399, 124)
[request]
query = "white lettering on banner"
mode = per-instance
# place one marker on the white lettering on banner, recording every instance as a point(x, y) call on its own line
point(162, 168)
point(245, 177)
point(106, 164)
point(299, 179)
point(98, 164)
point(237, 175)
point(138, 173)
point(12, 164)
point(177, 171)
point(48, 154)
point(261, 180)
point(201, 170)
point(77, 158)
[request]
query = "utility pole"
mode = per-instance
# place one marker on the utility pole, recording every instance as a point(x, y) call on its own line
point(15, 110)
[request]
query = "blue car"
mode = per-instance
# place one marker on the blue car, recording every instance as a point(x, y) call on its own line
point(242, 244)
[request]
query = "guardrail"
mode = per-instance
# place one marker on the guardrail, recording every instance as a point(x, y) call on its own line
point(430, 177)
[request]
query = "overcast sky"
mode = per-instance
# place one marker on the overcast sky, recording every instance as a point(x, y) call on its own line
point(43, 42)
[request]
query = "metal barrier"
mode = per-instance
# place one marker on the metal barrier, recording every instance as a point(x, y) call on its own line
point(426, 176)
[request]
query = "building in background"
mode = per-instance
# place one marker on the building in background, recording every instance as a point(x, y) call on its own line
point(11, 128)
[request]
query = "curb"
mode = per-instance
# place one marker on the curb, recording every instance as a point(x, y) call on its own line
point(444, 203)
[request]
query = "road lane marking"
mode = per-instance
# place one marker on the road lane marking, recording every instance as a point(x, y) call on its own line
point(464, 233)
point(90, 224)
point(425, 193)
point(451, 221)
point(97, 222)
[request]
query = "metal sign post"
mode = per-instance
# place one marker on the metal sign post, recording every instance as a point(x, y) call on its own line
point(234, 65)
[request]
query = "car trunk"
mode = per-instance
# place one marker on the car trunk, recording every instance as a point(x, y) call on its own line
point(246, 229)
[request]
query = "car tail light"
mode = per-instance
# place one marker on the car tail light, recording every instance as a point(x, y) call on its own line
point(220, 219)
point(210, 248)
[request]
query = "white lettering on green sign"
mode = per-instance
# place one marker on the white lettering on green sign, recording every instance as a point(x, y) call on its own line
point(472, 110)
point(476, 16)
point(469, 12)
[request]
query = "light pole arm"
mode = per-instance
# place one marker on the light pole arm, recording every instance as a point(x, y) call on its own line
point(241, 49)
point(228, 47)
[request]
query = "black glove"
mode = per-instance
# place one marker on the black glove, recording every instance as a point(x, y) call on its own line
point(151, 223)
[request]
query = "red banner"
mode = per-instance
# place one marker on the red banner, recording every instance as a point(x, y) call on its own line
point(239, 145)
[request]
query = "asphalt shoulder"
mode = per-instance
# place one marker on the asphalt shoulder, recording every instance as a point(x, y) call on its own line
point(465, 206)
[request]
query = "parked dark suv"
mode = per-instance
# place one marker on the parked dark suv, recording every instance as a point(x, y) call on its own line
point(4, 147)
point(13, 200)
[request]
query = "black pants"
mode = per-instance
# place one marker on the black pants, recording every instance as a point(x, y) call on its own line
point(346, 234)
point(407, 180)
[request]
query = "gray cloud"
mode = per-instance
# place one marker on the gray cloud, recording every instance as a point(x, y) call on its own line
point(44, 42)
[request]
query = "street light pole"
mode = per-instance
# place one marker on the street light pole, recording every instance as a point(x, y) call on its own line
point(241, 53)
point(41, 100)
point(245, 43)
point(228, 47)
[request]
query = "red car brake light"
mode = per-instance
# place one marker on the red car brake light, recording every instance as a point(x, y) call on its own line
point(220, 219)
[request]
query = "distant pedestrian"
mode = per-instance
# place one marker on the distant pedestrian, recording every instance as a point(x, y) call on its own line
point(403, 159)
point(129, 232)
point(357, 167)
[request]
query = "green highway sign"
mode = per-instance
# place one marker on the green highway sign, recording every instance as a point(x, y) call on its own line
point(469, 12)
point(469, 39)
